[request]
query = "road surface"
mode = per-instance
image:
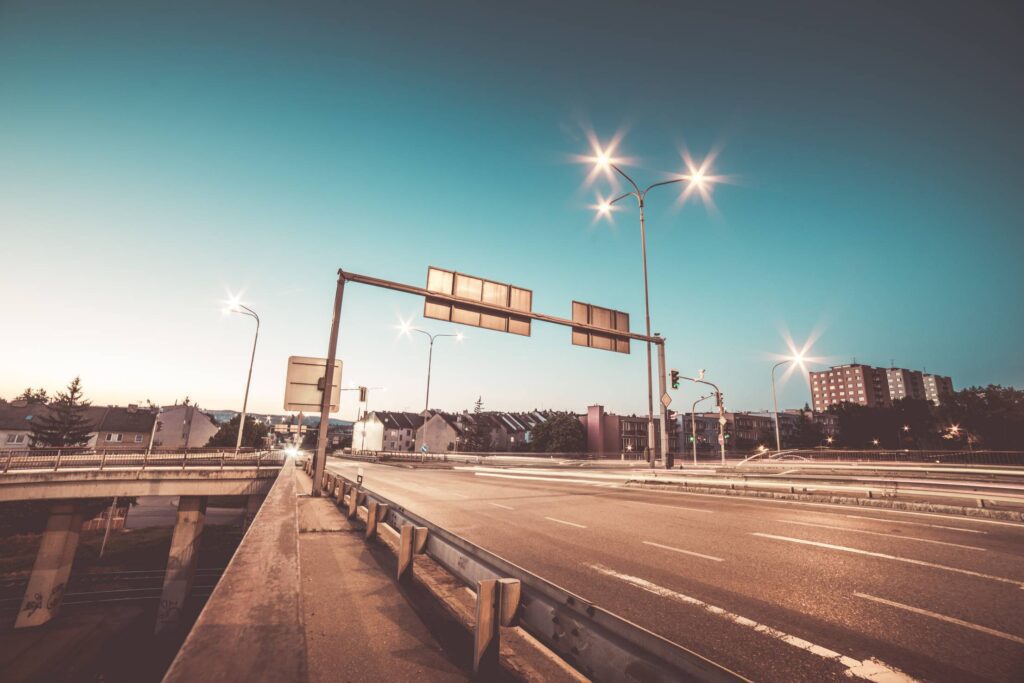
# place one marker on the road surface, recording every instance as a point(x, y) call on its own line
point(775, 590)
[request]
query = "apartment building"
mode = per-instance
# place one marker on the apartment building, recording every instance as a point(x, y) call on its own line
point(870, 386)
point(937, 388)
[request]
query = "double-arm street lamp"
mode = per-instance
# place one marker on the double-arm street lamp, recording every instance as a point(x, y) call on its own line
point(693, 424)
point(696, 179)
point(721, 412)
point(406, 329)
point(236, 306)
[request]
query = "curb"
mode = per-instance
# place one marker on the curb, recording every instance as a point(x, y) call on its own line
point(887, 503)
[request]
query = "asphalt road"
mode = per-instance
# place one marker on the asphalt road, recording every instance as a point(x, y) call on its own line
point(777, 591)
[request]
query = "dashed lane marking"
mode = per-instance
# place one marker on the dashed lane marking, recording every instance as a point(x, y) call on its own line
point(684, 552)
point(499, 505)
point(562, 521)
point(906, 521)
point(880, 533)
point(869, 669)
point(943, 617)
point(869, 553)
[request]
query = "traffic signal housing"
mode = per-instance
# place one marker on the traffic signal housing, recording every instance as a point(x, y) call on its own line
point(675, 379)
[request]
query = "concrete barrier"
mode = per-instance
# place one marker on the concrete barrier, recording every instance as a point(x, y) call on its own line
point(255, 612)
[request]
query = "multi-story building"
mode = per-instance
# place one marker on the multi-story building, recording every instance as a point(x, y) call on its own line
point(937, 388)
point(382, 430)
point(853, 383)
point(904, 383)
point(870, 386)
point(183, 426)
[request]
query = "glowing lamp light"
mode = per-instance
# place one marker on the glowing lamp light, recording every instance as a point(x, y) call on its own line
point(291, 451)
point(459, 337)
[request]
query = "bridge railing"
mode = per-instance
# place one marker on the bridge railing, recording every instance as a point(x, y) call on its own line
point(78, 458)
point(594, 641)
point(902, 455)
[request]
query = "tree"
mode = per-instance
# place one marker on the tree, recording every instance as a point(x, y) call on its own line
point(478, 436)
point(560, 433)
point(36, 396)
point(227, 435)
point(65, 424)
point(808, 433)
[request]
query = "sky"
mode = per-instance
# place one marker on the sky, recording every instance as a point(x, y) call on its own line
point(158, 156)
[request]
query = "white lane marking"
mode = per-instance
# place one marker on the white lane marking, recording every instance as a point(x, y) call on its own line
point(943, 617)
point(834, 507)
point(870, 669)
point(665, 505)
point(562, 521)
point(457, 495)
point(684, 552)
point(499, 505)
point(904, 521)
point(881, 533)
point(548, 479)
point(889, 557)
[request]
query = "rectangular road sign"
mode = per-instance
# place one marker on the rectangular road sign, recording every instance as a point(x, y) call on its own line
point(605, 318)
point(303, 388)
point(471, 289)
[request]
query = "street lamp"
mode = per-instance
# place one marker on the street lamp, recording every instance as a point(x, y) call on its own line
point(799, 360)
point(406, 329)
point(696, 179)
point(721, 409)
point(693, 424)
point(234, 305)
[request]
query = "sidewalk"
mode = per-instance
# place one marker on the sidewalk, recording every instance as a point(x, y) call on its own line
point(358, 625)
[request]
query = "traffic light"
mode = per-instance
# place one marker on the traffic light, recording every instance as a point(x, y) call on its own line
point(362, 394)
point(675, 379)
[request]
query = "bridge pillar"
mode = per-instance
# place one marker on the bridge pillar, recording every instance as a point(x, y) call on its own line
point(181, 562)
point(252, 506)
point(52, 567)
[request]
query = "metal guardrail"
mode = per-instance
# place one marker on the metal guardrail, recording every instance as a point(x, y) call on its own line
point(69, 459)
point(598, 643)
point(962, 457)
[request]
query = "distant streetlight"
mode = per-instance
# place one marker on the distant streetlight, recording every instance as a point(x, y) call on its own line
point(799, 360)
point(234, 305)
point(720, 400)
point(693, 424)
point(405, 329)
point(874, 442)
point(697, 180)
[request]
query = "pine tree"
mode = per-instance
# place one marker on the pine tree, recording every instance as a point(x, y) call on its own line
point(478, 437)
point(65, 424)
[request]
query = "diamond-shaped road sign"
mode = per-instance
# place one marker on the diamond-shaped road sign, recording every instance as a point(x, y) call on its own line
point(666, 400)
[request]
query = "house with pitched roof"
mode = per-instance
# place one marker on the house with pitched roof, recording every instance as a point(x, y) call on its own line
point(382, 430)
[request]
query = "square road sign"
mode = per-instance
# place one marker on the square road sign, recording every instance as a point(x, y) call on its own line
point(303, 387)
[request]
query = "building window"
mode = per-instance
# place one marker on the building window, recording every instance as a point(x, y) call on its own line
point(115, 437)
point(15, 438)
point(138, 438)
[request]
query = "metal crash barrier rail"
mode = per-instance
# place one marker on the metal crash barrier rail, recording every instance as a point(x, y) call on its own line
point(68, 459)
point(597, 643)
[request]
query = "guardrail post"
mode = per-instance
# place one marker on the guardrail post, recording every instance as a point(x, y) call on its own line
point(7, 465)
point(103, 460)
point(371, 520)
point(184, 457)
point(222, 455)
point(420, 540)
point(485, 632)
point(405, 547)
point(497, 604)
point(56, 461)
point(353, 501)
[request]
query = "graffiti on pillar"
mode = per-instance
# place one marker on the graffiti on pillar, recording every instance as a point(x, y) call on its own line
point(34, 604)
point(55, 597)
point(168, 611)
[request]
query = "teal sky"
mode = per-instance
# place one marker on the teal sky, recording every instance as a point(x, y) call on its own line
point(155, 155)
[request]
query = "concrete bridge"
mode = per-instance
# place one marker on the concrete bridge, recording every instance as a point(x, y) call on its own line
point(69, 480)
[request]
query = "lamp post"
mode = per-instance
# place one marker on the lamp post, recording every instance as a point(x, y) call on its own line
point(721, 409)
point(775, 404)
point(696, 178)
point(235, 306)
point(693, 424)
point(430, 356)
